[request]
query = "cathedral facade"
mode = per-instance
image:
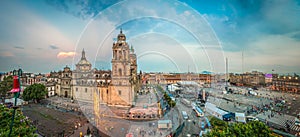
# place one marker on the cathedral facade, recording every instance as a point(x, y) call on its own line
point(123, 79)
point(117, 86)
point(83, 80)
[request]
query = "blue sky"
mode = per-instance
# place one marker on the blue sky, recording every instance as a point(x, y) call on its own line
point(168, 35)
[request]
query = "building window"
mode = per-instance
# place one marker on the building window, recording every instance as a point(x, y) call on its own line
point(76, 89)
point(120, 55)
point(107, 91)
point(120, 92)
point(67, 82)
point(120, 72)
point(85, 90)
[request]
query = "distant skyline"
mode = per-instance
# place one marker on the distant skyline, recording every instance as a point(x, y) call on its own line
point(168, 36)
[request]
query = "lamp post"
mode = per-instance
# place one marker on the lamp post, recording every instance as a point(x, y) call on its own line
point(16, 90)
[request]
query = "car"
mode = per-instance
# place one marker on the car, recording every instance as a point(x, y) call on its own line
point(202, 125)
point(297, 122)
point(251, 118)
point(185, 115)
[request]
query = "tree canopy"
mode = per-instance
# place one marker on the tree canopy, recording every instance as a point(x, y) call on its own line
point(22, 126)
point(251, 129)
point(6, 85)
point(35, 92)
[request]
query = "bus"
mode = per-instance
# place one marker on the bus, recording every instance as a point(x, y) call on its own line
point(199, 112)
point(185, 115)
point(208, 123)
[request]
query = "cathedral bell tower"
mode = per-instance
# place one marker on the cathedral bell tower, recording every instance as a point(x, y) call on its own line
point(121, 74)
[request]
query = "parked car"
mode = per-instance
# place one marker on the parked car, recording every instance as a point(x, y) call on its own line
point(297, 122)
point(251, 118)
point(202, 125)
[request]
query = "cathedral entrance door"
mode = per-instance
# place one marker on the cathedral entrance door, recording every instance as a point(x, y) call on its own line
point(66, 94)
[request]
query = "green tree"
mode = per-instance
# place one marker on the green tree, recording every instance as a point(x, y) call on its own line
point(22, 126)
point(35, 92)
point(251, 129)
point(5, 86)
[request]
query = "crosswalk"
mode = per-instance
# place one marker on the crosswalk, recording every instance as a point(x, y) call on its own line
point(282, 120)
point(295, 127)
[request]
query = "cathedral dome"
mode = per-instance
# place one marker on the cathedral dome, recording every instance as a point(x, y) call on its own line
point(121, 36)
point(84, 62)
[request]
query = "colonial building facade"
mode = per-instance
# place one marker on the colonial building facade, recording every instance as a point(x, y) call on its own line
point(117, 86)
point(83, 80)
point(164, 78)
point(122, 87)
point(286, 83)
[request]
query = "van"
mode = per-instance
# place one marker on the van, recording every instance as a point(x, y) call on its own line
point(184, 115)
point(251, 118)
point(297, 122)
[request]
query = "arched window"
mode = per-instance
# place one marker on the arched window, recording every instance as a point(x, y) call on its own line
point(120, 55)
point(120, 72)
point(115, 54)
point(124, 53)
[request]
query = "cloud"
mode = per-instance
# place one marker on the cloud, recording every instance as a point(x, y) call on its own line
point(83, 9)
point(270, 51)
point(17, 47)
point(7, 54)
point(53, 47)
point(246, 21)
point(65, 54)
point(30, 33)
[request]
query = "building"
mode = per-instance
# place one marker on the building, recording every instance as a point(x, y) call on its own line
point(65, 83)
point(120, 86)
point(286, 83)
point(52, 83)
point(83, 80)
point(164, 78)
point(253, 78)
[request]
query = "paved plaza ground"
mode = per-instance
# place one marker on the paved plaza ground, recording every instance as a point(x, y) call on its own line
point(243, 102)
point(62, 114)
point(114, 123)
point(51, 122)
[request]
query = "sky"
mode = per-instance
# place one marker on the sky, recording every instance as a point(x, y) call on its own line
point(40, 36)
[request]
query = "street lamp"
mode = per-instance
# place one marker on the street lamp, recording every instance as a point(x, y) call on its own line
point(16, 90)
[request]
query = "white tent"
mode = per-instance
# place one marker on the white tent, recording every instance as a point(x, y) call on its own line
point(240, 117)
point(12, 100)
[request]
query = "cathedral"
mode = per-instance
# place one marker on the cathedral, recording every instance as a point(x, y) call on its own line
point(117, 86)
